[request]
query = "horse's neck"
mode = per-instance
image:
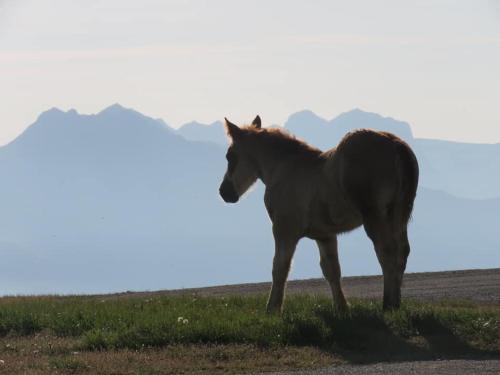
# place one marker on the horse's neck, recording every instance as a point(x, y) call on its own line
point(267, 169)
point(273, 170)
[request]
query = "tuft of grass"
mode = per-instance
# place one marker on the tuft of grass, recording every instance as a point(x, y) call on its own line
point(136, 323)
point(70, 364)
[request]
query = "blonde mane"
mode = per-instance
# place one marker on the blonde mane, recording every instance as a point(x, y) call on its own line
point(282, 142)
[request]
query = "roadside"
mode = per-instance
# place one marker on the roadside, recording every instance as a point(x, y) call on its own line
point(441, 367)
point(480, 286)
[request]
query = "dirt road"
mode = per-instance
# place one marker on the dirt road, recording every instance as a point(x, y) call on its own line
point(445, 367)
point(481, 286)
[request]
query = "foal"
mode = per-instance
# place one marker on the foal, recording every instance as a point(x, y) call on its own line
point(369, 179)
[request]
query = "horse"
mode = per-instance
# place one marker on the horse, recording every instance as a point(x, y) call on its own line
point(369, 179)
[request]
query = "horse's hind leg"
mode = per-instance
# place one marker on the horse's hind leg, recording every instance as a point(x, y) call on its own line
point(331, 269)
point(405, 250)
point(392, 249)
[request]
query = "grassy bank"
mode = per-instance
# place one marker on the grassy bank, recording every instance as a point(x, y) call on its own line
point(222, 327)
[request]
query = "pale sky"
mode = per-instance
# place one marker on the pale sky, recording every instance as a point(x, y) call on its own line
point(435, 64)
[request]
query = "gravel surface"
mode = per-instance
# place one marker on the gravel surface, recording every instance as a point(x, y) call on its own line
point(481, 286)
point(445, 367)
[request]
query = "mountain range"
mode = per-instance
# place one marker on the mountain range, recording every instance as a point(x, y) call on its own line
point(121, 201)
point(468, 170)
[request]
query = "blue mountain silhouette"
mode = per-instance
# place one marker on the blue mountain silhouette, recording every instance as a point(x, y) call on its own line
point(195, 131)
point(118, 200)
point(464, 169)
point(325, 134)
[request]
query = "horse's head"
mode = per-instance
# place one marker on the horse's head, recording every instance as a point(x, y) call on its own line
point(241, 170)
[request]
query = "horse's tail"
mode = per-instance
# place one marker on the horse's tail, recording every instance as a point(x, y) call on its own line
point(409, 171)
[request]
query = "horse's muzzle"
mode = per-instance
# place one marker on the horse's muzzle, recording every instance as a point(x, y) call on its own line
point(228, 192)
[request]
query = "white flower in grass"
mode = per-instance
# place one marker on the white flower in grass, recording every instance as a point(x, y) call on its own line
point(180, 319)
point(185, 321)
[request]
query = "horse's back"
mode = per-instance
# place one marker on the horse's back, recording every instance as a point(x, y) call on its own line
point(377, 171)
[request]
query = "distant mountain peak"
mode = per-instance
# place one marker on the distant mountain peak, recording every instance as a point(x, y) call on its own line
point(326, 133)
point(358, 113)
point(120, 114)
point(200, 124)
point(193, 123)
point(115, 124)
point(361, 112)
point(115, 108)
point(305, 116)
point(55, 114)
point(304, 112)
point(197, 131)
point(358, 110)
point(54, 111)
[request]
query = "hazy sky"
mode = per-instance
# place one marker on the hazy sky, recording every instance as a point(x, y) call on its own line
point(435, 64)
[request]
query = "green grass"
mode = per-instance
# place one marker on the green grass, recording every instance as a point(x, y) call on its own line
point(71, 364)
point(136, 323)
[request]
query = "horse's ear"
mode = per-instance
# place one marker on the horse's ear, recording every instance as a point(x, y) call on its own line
point(256, 122)
point(232, 130)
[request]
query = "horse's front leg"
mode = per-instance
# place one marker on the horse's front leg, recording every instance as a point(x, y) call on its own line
point(284, 250)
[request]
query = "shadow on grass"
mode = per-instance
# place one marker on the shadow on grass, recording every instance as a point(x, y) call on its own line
point(415, 332)
point(367, 338)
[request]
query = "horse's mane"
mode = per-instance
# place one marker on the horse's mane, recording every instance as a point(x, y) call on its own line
point(282, 142)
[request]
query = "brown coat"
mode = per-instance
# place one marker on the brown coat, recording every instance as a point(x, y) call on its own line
point(369, 179)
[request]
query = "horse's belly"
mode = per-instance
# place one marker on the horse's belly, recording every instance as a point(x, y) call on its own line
point(326, 224)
